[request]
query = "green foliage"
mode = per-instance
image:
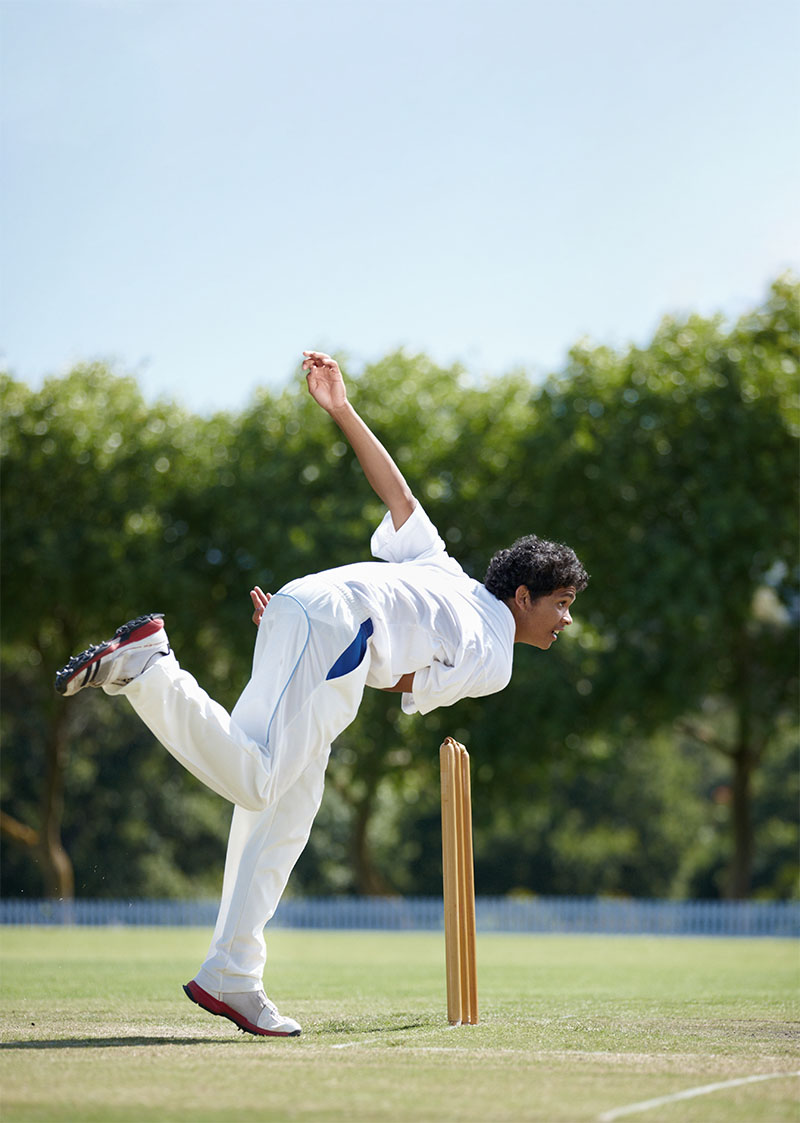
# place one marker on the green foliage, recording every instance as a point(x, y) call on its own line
point(671, 469)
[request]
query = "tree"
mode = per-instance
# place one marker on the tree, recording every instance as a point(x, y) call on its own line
point(90, 476)
point(679, 464)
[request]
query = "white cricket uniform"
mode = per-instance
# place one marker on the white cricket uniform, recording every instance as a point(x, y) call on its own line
point(321, 640)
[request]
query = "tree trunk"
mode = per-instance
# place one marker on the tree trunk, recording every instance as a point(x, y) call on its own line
point(741, 868)
point(368, 879)
point(59, 879)
point(743, 760)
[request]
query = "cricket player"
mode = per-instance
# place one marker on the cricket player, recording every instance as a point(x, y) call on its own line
point(412, 622)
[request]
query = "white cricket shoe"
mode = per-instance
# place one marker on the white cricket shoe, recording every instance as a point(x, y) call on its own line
point(118, 660)
point(250, 1010)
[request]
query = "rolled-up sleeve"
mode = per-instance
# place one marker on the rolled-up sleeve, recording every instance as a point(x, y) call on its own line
point(474, 675)
point(416, 540)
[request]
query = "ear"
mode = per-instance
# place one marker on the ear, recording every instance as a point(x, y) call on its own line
point(522, 596)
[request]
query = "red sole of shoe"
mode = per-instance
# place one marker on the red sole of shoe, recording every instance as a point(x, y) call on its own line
point(213, 1006)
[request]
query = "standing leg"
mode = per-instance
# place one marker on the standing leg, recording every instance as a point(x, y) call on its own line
point(311, 709)
point(263, 848)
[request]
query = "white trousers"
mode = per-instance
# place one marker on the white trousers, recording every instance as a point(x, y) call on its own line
point(268, 757)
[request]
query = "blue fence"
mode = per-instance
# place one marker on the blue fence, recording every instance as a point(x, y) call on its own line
point(494, 914)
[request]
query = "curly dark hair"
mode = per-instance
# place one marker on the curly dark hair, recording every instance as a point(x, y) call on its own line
point(540, 565)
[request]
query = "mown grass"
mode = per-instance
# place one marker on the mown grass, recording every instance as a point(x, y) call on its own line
point(97, 1029)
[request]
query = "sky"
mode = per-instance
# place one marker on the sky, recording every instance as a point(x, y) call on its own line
point(198, 190)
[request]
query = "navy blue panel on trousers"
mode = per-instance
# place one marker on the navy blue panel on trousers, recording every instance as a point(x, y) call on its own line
point(353, 654)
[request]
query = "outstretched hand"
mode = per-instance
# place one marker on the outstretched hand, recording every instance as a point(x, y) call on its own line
point(327, 388)
point(325, 382)
point(260, 601)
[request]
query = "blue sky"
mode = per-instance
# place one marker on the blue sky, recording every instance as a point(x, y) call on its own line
point(196, 190)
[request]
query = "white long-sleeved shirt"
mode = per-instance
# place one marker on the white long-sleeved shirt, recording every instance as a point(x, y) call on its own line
point(428, 617)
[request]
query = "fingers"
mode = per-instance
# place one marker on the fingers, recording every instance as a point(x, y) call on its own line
point(258, 605)
point(318, 359)
point(260, 601)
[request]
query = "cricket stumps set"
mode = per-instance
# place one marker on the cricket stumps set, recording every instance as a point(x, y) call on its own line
point(459, 885)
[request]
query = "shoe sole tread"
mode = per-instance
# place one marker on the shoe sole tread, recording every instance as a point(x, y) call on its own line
point(96, 652)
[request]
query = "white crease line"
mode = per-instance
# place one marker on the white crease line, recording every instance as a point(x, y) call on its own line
point(688, 1094)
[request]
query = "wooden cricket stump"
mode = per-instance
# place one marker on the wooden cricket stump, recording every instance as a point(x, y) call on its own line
point(459, 885)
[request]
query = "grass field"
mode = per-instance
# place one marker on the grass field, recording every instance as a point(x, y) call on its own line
point(95, 1028)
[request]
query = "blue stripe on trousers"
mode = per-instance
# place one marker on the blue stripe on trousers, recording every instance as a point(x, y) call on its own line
point(353, 653)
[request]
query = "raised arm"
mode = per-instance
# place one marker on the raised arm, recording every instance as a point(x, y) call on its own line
point(327, 388)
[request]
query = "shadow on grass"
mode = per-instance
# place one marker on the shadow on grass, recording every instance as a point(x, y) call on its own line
point(334, 1028)
point(114, 1042)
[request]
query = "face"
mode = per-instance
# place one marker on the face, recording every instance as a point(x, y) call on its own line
point(540, 621)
